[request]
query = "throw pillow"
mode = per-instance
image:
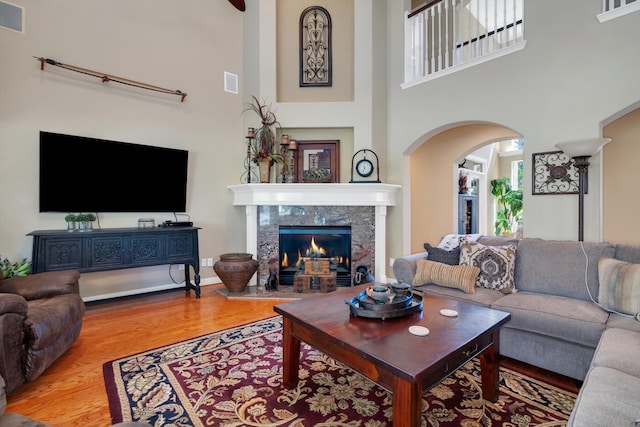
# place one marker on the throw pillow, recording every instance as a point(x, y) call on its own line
point(461, 277)
point(497, 264)
point(451, 257)
point(451, 241)
point(619, 285)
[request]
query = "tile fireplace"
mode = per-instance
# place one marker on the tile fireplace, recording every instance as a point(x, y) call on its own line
point(361, 208)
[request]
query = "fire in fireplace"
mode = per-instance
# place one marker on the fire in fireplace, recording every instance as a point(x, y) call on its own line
point(298, 242)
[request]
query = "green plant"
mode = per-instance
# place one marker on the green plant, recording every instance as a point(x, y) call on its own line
point(15, 269)
point(85, 217)
point(509, 204)
point(71, 218)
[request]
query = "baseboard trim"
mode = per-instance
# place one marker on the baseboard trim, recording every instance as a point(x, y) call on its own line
point(159, 288)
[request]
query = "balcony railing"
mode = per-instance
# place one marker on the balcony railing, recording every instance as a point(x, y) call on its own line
point(448, 35)
point(612, 9)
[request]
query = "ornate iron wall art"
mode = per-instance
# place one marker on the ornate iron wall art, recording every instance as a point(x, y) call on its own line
point(315, 47)
point(554, 173)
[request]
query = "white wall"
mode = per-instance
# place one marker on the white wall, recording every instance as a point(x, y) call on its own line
point(573, 74)
point(184, 45)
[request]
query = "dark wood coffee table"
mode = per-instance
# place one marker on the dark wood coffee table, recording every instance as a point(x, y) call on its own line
point(384, 350)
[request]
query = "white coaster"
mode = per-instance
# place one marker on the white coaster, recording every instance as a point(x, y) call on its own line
point(448, 313)
point(420, 331)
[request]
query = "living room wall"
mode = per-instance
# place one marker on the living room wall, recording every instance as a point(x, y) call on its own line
point(178, 45)
point(559, 88)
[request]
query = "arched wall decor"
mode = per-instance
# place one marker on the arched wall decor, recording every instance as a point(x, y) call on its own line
point(315, 47)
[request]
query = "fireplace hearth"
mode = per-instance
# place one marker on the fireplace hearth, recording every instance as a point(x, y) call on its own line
point(297, 243)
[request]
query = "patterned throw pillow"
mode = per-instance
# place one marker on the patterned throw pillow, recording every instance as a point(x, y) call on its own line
point(461, 277)
point(497, 264)
point(451, 257)
point(619, 285)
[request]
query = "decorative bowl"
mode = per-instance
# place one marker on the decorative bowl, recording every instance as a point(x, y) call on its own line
point(379, 294)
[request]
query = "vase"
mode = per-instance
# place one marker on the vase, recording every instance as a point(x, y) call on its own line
point(265, 170)
point(235, 270)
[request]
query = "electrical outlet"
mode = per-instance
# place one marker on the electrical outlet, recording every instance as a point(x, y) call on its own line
point(203, 262)
point(391, 261)
point(209, 262)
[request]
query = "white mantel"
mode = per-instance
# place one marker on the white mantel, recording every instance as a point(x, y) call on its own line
point(378, 195)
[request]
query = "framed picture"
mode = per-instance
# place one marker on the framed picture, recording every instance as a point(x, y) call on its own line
point(318, 161)
point(554, 173)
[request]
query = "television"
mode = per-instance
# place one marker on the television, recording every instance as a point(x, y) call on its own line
point(80, 174)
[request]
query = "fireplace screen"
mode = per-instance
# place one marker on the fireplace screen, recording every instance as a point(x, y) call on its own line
point(298, 242)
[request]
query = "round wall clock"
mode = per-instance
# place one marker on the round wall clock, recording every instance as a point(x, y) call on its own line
point(363, 165)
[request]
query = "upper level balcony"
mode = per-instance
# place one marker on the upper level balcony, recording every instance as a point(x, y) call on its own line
point(445, 36)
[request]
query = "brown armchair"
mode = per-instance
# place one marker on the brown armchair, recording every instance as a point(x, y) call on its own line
point(40, 318)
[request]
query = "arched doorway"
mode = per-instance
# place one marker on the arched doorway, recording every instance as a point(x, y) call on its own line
point(434, 178)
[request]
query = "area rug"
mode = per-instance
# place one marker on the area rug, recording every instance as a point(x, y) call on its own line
point(233, 378)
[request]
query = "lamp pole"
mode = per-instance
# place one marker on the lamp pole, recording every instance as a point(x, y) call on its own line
point(580, 151)
point(582, 163)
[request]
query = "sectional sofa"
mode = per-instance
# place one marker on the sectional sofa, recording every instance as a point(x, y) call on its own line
point(549, 287)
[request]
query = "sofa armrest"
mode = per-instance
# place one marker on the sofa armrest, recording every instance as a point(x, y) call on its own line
point(13, 304)
point(404, 268)
point(43, 285)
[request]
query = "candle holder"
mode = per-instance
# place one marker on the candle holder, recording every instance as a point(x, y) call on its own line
point(284, 152)
point(248, 176)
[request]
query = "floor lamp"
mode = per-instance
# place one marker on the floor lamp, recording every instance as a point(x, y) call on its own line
point(580, 151)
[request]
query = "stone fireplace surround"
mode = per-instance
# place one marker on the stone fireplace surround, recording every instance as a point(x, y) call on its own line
point(363, 206)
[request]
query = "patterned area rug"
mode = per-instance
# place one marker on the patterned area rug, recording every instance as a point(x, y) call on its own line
point(234, 378)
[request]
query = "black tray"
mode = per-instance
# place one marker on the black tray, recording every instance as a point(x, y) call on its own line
point(357, 308)
point(398, 301)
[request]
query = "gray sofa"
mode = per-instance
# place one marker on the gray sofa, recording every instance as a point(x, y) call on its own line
point(555, 325)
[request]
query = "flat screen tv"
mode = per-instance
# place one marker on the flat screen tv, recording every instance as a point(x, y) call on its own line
point(79, 174)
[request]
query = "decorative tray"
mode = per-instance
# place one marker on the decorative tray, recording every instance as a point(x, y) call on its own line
point(401, 305)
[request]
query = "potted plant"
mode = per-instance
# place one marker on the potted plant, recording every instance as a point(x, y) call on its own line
point(263, 149)
point(85, 221)
point(71, 221)
point(15, 269)
point(509, 203)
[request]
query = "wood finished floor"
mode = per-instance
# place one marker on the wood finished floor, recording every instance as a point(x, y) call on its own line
point(71, 392)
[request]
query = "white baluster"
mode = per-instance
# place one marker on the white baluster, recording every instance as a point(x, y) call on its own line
point(433, 40)
point(447, 58)
point(440, 36)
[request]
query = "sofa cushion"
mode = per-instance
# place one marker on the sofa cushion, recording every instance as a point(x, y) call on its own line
point(619, 349)
point(559, 317)
point(496, 263)
point(629, 253)
point(607, 398)
point(557, 267)
point(623, 322)
point(461, 277)
point(619, 285)
point(50, 318)
point(450, 257)
point(480, 296)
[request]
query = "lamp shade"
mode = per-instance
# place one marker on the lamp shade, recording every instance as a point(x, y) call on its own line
point(583, 147)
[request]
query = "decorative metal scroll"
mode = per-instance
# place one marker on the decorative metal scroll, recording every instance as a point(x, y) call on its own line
point(315, 47)
point(554, 173)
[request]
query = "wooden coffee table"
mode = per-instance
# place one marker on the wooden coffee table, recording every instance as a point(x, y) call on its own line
point(384, 350)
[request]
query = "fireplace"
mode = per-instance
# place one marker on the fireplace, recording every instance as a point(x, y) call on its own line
point(299, 242)
point(362, 207)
